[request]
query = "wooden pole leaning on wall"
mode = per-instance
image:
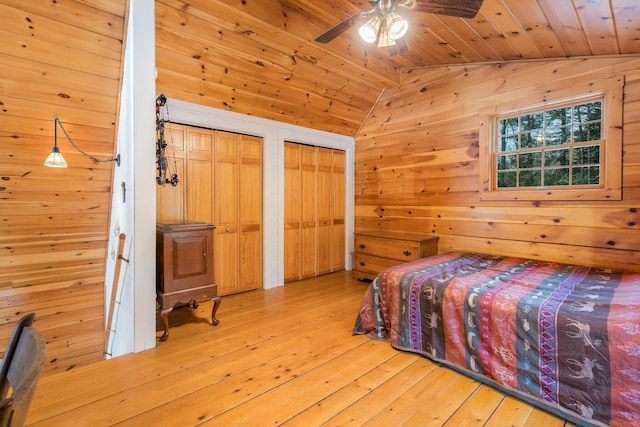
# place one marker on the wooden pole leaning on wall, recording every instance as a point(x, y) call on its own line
point(114, 291)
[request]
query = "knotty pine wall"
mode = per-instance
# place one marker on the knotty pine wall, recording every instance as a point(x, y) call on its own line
point(417, 166)
point(64, 57)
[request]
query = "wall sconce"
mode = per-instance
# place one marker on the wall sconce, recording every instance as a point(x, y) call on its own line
point(55, 159)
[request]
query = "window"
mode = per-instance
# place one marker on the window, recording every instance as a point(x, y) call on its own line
point(570, 149)
point(556, 147)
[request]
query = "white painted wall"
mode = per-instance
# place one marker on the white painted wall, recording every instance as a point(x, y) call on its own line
point(134, 320)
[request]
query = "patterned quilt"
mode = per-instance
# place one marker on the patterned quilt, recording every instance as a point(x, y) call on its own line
point(563, 337)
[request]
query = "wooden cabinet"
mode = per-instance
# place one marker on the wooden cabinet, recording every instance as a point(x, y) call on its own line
point(184, 271)
point(377, 250)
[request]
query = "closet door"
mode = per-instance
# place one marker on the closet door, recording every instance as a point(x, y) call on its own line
point(200, 174)
point(324, 186)
point(250, 213)
point(292, 212)
point(171, 201)
point(314, 239)
point(226, 213)
point(308, 250)
point(338, 186)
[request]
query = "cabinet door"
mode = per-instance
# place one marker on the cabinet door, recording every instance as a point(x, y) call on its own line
point(250, 213)
point(226, 212)
point(292, 218)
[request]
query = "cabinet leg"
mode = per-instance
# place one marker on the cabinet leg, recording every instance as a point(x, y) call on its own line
point(216, 304)
point(164, 315)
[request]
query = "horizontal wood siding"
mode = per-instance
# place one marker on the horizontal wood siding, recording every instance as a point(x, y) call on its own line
point(61, 57)
point(417, 165)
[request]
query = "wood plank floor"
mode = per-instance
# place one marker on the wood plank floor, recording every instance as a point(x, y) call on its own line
point(284, 356)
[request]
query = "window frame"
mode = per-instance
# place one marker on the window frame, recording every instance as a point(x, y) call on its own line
point(610, 187)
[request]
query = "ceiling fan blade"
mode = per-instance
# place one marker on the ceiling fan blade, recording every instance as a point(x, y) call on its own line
point(401, 46)
point(340, 28)
point(459, 8)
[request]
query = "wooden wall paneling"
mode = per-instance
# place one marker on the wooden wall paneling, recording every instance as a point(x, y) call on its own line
point(250, 199)
point(418, 171)
point(324, 209)
point(309, 218)
point(171, 201)
point(292, 212)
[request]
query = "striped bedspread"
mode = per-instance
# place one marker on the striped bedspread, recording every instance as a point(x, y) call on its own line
point(563, 337)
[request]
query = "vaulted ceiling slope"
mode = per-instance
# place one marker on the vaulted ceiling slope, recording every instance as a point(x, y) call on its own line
point(259, 57)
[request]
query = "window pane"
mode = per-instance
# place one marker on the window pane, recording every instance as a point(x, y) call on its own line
point(558, 117)
point(507, 161)
point(530, 160)
point(531, 139)
point(532, 121)
point(558, 176)
point(588, 112)
point(587, 132)
point(586, 155)
point(586, 175)
point(556, 158)
point(509, 126)
point(508, 143)
point(529, 178)
point(507, 179)
point(558, 136)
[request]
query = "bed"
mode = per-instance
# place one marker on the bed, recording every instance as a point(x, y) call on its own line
point(562, 337)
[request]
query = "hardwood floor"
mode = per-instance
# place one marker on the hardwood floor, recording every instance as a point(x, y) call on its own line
point(282, 356)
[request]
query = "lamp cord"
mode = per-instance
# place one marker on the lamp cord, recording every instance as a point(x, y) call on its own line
point(94, 159)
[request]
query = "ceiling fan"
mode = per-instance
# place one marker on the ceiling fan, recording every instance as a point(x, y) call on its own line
point(385, 25)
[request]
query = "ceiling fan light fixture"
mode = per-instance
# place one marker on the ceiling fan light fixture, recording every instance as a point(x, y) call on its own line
point(370, 29)
point(397, 26)
point(384, 37)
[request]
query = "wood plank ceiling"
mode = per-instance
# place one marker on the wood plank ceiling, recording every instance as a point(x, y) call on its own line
point(259, 57)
